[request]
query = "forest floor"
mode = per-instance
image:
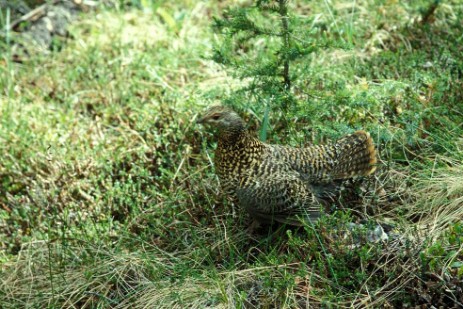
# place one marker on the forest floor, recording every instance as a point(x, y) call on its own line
point(108, 197)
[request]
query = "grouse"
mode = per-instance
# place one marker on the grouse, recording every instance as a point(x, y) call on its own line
point(282, 183)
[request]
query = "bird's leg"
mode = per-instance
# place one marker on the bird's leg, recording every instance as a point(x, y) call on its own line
point(255, 224)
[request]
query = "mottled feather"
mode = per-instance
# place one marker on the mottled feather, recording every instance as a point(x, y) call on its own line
point(282, 183)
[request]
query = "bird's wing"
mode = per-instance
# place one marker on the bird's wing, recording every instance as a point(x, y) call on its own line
point(352, 155)
point(277, 193)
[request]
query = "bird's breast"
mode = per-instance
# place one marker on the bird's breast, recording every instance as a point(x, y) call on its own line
point(232, 165)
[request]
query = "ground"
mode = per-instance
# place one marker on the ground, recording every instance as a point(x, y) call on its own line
point(107, 191)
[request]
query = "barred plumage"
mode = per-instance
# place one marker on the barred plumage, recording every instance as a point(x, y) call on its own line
point(281, 183)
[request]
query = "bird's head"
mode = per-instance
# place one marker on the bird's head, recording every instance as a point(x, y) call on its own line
point(223, 119)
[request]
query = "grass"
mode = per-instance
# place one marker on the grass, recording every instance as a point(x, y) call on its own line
point(107, 193)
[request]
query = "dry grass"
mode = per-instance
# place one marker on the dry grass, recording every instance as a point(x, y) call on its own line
point(107, 197)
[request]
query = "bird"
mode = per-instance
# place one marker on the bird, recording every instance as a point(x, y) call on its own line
point(280, 183)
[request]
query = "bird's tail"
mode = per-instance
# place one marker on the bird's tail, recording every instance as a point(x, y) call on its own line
point(356, 156)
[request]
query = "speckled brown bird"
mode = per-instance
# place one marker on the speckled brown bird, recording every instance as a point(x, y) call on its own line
point(282, 183)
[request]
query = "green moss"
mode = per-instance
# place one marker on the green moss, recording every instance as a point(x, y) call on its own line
point(107, 196)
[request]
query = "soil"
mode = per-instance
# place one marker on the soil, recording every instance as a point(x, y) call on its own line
point(36, 26)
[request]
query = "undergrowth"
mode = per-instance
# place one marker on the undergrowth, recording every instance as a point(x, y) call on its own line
point(107, 191)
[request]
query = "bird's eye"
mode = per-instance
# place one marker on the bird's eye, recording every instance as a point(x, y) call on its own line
point(215, 117)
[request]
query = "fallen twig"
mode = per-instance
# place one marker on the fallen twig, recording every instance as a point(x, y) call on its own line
point(32, 15)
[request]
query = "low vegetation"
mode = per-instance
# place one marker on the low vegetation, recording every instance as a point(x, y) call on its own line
point(107, 194)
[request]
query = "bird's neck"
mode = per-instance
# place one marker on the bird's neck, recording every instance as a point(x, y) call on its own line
point(239, 139)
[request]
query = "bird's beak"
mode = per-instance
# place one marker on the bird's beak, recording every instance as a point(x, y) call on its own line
point(200, 120)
